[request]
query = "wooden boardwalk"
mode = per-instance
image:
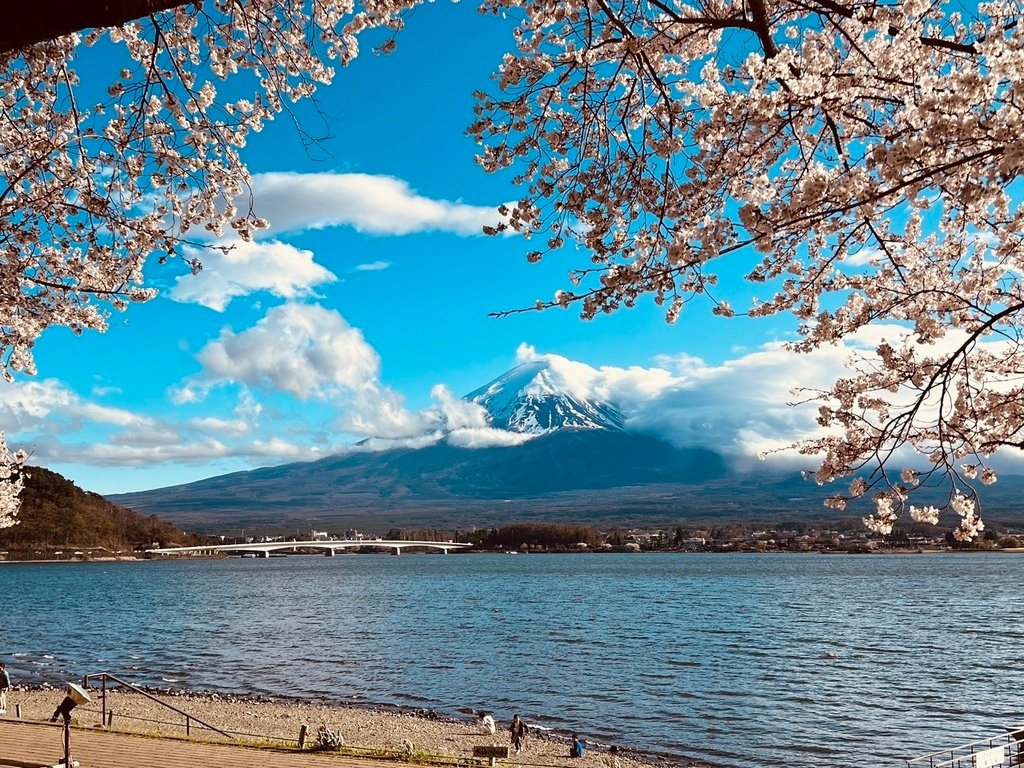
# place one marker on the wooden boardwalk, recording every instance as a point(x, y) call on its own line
point(33, 744)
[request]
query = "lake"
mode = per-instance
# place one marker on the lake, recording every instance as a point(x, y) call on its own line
point(777, 659)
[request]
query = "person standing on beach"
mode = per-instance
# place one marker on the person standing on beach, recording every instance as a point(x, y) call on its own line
point(577, 749)
point(517, 733)
point(5, 685)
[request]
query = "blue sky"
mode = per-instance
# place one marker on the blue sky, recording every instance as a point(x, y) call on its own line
point(366, 305)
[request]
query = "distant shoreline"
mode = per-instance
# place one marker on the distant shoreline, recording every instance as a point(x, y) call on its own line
point(835, 552)
point(39, 560)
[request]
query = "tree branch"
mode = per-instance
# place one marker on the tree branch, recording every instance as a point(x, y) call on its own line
point(62, 17)
point(949, 45)
point(762, 28)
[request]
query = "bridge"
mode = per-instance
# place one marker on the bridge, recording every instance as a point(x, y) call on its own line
point(329, 546)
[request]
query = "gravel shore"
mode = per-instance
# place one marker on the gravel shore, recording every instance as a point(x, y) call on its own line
point(369, 729)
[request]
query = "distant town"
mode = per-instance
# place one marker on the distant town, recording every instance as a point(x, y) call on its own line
point(525, 538)
point(734, 537)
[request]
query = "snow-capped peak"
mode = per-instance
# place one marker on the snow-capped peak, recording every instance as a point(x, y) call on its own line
point(536, 397)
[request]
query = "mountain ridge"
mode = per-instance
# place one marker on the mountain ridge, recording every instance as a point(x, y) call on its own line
point(405, 480)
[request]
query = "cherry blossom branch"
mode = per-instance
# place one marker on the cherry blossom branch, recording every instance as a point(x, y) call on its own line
point(55, 18)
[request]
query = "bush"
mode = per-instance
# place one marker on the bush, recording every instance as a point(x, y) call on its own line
point(328, 740)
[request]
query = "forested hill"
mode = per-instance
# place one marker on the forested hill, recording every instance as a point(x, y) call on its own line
point(57, 514)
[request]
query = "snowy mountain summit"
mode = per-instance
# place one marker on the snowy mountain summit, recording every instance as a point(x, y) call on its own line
point(542, 396)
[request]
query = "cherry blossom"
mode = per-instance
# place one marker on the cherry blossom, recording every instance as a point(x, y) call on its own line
point(99, 185)
point(858, 161)
point(12, 481)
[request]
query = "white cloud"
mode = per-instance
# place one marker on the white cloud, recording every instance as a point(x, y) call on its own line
point(185, 449)
point(215, 425)
point(379, 205)
point(486, 438)
point(467, 424)
point(864, 257)
point(25, 405)
point(295, 202)
point(276, 267)
point(377, 411)
point(456, 413)
point(310, 353)
point(302, 349)
point(738, 407)
point(244, 423)
point(194, 452)
point(373, 444)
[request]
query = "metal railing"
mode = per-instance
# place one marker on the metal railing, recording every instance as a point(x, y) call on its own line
point(105, 676)
point(1000, 751)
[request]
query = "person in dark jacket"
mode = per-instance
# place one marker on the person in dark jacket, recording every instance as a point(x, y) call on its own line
point(517, 732)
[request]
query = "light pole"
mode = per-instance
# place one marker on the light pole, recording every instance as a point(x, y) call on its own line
point(75, 695)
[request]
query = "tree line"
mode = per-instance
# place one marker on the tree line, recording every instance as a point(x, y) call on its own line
point(56, 513)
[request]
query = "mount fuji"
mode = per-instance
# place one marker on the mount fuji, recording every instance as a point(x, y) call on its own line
point(532, 399)
point(579, 461)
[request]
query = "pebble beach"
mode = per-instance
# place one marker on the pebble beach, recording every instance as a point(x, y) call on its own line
point(365, 729)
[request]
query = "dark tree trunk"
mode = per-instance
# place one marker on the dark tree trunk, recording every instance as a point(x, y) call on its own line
point(53, 18)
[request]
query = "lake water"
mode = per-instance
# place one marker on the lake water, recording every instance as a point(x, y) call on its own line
point(795, 660)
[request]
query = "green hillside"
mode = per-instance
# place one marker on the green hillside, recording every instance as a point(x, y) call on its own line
point(58, 515)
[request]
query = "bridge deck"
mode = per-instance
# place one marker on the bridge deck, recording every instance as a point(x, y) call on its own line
point(266, 547)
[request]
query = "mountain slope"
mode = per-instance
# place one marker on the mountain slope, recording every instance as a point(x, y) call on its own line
point(57, 513)
point(440, 476)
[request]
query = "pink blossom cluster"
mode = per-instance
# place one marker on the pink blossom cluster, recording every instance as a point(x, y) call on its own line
point(98, 185)
point(857, 160)
point(12, 481)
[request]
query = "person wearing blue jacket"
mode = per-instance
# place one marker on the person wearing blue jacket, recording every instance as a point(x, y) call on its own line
point(577, 748)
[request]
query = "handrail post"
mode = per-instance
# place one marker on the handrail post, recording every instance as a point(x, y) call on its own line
point(103, 698)
point(188, 725)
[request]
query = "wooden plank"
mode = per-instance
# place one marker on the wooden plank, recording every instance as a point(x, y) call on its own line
point(491, 752)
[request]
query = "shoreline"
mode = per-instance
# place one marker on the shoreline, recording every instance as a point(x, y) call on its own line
point(367, 727)
point(731, 552)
